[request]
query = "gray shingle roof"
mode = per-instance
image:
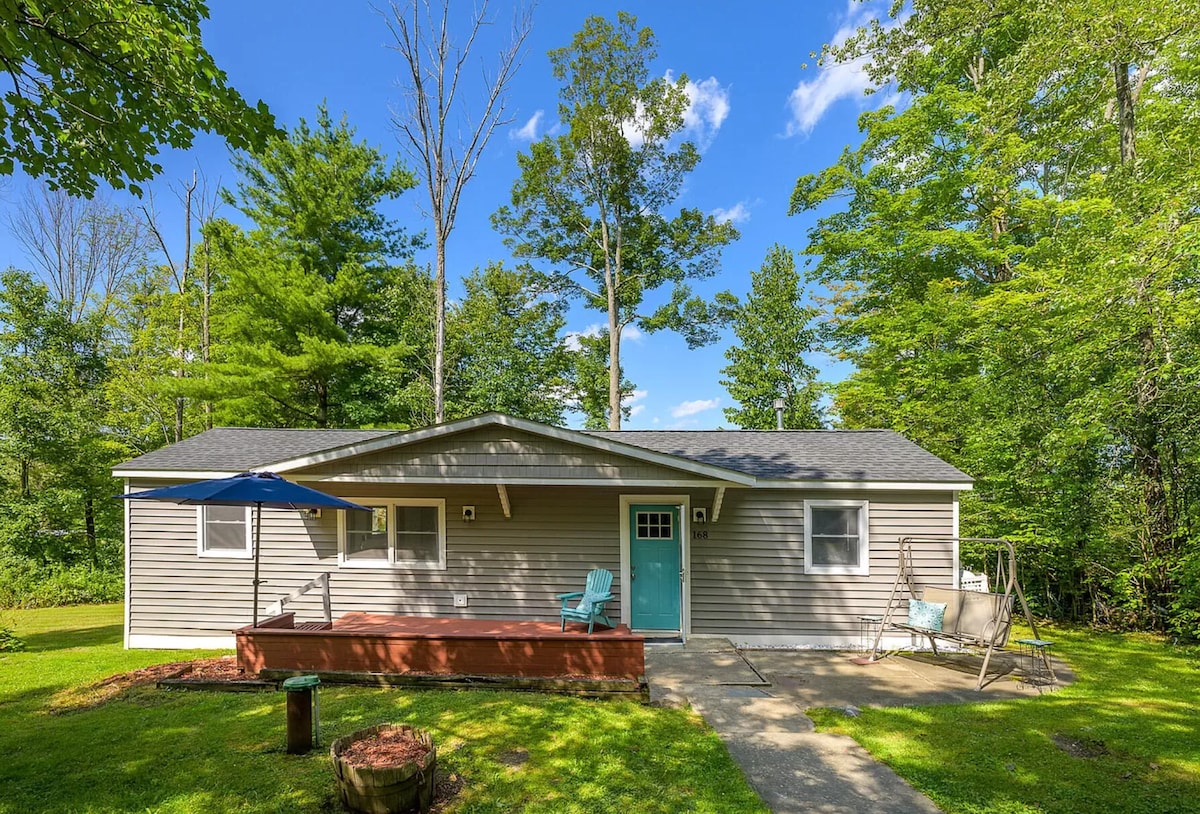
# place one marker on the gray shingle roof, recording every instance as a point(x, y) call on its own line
point(227, 449)
point(836, 455)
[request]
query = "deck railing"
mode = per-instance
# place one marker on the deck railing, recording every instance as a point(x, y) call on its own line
point(322, 582)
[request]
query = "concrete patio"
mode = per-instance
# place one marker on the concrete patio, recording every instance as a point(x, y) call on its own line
point(755, 700)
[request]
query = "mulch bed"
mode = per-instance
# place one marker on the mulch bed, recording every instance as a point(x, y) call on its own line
point(384, 749)
point(213, 670)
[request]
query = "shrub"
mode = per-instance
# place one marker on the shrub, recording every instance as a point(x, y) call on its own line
point(9, 641)
point(27, 584)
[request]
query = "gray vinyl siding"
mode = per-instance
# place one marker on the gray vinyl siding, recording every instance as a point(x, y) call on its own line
point(496, 454)
point(746, 578)
point(510, 568)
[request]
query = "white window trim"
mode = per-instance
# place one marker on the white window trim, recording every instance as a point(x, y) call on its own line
point(864, 538)
point(391, 562)
point(224, 554)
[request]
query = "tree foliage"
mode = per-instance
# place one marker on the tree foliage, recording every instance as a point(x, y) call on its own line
point(595, 203)
point(53, 447)
point(99, 86)
point(1014, 274)
point(302, 317)
point(774, 330)
point(506, 349)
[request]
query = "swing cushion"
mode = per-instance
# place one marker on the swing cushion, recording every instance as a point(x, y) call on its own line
point(927, 615)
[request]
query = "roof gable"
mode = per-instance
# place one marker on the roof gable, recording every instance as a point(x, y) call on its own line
point(495, 453)
point(740, 457)
point(572, 438)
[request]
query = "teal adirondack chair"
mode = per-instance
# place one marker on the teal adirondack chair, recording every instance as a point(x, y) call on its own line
point(591, 600)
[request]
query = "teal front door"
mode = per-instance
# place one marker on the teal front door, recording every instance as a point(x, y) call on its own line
point(654, 567)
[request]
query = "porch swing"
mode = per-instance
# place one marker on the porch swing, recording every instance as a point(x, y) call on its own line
point(970, 618)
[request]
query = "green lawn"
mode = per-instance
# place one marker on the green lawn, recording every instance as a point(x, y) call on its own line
point(152, 750)
point(1135, 710)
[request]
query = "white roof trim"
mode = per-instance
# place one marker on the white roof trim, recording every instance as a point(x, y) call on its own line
point(915, 486)
point(174, 474)
point(405, 438)
point(508, 482)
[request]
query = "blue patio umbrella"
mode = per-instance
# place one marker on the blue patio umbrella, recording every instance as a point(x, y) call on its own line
point(257, 489)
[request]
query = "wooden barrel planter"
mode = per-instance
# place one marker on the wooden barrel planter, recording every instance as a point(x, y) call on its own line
point(389, 789)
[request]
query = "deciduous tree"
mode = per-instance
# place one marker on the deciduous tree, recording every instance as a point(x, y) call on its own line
point(98, 87)
point(507, 351)
point(595, 204)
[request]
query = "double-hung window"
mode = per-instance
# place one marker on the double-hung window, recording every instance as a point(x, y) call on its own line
point(835, 537)
point(399, 533)
point(223, 531)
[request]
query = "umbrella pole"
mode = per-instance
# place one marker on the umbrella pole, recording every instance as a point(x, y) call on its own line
point(257, 539)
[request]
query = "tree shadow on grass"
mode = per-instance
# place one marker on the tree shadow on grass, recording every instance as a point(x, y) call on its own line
point(73, 637)
point(182, 752)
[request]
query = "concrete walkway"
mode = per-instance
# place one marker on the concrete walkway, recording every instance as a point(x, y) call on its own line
point(755, 700)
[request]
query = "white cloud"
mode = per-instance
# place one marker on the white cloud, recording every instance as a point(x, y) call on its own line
point(708, 107)
point(688, 408)
point(631, 401)
point(528, 131)
point(738, 213)
point(631, 333)
point(809, 101)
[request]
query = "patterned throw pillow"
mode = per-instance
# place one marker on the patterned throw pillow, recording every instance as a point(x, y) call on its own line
point(927, 615)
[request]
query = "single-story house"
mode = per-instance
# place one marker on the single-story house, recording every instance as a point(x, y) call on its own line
point(764, 537)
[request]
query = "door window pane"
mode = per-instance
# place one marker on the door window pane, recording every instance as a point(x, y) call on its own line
point(653, 525)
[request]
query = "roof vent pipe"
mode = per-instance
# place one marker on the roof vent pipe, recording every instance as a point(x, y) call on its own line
point(780, 403)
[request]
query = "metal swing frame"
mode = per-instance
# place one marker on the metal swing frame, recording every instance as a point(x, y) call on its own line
point(994, 634)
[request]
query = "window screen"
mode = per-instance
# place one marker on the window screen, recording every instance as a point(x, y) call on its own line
point(835, 536)
point(367, 534)
point(225, 529)
point(417, 533)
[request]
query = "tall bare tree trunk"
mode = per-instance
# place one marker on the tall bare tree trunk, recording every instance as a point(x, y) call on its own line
point(205, 321)
point(439, 332)
point(181, 335)
point(445, 149)
point(614, 363)
point(1157, 532)
point(1126, 98)
point(89, 525)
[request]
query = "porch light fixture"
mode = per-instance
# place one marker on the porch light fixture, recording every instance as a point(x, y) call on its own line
point(699, 516)
point(468, 514)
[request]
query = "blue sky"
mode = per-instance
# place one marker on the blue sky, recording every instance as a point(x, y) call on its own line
point(760, 118)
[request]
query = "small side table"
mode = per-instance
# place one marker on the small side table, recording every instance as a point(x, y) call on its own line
point(1038, 672)
point(868, 629)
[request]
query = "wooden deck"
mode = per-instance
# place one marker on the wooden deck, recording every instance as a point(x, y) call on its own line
point(420, 645)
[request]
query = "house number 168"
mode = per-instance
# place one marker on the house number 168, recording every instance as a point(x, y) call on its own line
point(700, 535)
